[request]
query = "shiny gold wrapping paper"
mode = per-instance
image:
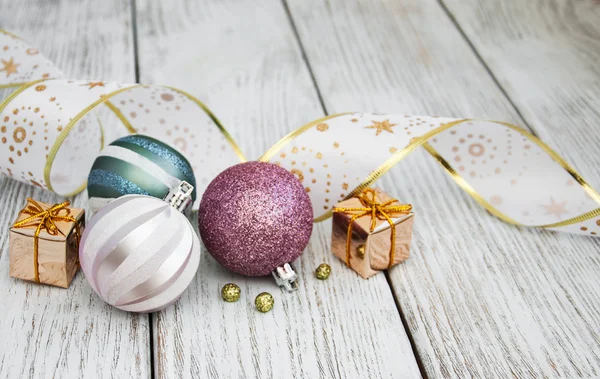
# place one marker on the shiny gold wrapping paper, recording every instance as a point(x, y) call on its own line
point(376, 244)
point(58, 260)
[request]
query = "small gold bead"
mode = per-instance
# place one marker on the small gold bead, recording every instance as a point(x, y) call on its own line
point(323, 271)
point(360, 250)
point(264, 302)
point(231, 292)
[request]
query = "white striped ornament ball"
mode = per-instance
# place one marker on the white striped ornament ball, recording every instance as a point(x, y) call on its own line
point(139, 253)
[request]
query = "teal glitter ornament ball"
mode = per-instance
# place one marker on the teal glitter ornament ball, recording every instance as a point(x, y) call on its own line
point(137, 165)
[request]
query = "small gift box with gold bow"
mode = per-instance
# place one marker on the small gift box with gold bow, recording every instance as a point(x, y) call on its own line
point(44, 243)
point(371, 232)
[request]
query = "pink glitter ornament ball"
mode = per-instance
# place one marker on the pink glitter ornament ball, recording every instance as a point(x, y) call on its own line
point(255, 217)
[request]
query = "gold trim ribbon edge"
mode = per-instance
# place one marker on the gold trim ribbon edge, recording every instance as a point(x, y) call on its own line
point(461, 182)
point(105, 100)
point(65, 133)
point(371, 178)
point(216, 121)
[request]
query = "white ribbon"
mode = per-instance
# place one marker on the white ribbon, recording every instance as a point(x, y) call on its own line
point(50, 139)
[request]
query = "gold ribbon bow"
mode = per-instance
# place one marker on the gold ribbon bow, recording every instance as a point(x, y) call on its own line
point(44, 219)
point(378, 211)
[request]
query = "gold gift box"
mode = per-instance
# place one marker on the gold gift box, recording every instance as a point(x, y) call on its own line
point(58, 254)
point(370, 244)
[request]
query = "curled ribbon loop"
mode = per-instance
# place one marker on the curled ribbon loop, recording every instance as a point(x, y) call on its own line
point(45, 219)
point(51, 127)
point(377, 211)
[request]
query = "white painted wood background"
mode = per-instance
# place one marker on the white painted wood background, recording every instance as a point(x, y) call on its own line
point(478, 298)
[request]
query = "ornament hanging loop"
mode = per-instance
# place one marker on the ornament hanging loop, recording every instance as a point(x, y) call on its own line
point(180, 197)
point(286, 277)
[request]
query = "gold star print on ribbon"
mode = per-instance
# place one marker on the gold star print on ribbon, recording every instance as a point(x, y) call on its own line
point(381, 126)
point(93, 84)
point(9, 67)
point(50, 128)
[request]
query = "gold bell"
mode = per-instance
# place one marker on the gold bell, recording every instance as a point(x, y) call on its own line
point(360, 250)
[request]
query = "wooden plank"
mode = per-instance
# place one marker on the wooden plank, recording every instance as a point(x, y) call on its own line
point(481, 298)
point(545, 56)
point(48, 331)
point(241, 57)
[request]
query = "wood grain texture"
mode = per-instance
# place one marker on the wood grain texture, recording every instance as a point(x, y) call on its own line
point(481, 298)
point(241, 57)
point(545, 55)
point(50, 332)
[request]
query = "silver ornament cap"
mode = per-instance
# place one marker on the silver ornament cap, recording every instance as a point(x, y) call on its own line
point(180, 197)
point(286, 277)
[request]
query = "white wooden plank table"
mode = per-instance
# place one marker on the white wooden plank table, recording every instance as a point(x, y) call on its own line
point(478, 298)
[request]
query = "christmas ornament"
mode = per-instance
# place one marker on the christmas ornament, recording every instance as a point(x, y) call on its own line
point(264, 302)
point(254, 219)
point(231, 292)
point(139, 165)
point(323, 271)
point(140, 253)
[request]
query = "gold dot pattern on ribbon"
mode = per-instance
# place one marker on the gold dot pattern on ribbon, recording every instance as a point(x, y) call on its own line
point(49, 128)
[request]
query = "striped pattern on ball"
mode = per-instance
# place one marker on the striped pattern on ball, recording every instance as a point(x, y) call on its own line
point(138, 164)
point(139, 253)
